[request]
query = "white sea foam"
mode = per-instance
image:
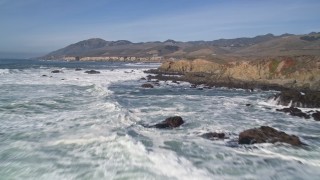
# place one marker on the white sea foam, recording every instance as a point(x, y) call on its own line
point(274, 103)
point(84, 128)
point(84, 140)
point(4, 71)
point(154, 65)
point(170, 165)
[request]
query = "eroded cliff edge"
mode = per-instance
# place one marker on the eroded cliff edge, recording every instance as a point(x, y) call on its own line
point(296, 72)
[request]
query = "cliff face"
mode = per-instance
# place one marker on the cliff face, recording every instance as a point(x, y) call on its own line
point(292, 72)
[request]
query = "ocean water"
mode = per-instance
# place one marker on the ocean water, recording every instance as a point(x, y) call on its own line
point(73, 125)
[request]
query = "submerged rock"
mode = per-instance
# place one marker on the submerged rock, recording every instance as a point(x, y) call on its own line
point(309, 99)
point(266, 134)
point(171, 122)
point(78, 69)
point(175, 81)
point(213, 136)
point(56, 71)
point(193, 86)
point(92, 72)
point(294, 112)
point(316, 116)
point(147, 85)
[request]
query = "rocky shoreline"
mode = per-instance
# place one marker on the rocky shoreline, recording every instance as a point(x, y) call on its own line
point(302, 93)
point(277, 73)
point(298, 78)
point(292, 98)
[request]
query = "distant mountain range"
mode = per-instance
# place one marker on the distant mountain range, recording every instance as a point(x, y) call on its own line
point(264, 45)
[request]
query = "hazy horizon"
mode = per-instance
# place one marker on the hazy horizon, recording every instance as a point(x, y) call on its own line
point(36, 27)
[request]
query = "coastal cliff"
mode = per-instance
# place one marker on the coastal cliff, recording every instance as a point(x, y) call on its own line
point(297, 72)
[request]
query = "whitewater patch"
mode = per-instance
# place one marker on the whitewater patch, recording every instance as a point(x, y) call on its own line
point(123, 150)
point(4, 71)
point(274, 104)
point(74, 125)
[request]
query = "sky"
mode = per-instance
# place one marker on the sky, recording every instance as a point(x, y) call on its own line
point(37, 27)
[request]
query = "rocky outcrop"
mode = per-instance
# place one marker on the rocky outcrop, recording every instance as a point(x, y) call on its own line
point(92, 72)
point(147, 85)
point(266, 134)
point(298, 112)
point(306, 99)
point(171, 122)
point(56, 71)
point(213, 136)
point(297, 72)
point(316, 116)
point(295, 112)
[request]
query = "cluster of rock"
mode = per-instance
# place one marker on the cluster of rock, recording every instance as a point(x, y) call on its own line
point(295, 100)
point(56, 71)
point(306, 99)
point(208, 74)
point(110, 58)
point(292, 98)
point(264, 134)
point(293, 111)
point(77, 69)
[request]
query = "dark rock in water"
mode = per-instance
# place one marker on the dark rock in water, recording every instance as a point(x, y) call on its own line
point(248, 104)
point(266, 134)
point(143, 78)
point(44, 75)
point(294, 112)
point(316, 116)
point(78, 69)
point(193, 86)
point(149, 77)
point(171, 122)
point(56, 71)
point(175, 81)
point(92, 72)
point(147, 85)
point(62, 79)
point(213, 135)
point(309, 99)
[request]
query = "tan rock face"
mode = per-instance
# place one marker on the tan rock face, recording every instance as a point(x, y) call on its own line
point(197, 65)
point(294, 72)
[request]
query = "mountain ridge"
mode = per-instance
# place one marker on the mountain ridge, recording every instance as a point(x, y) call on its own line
point(262, 45)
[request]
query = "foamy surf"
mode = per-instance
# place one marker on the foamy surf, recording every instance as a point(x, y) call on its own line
point(74, 125)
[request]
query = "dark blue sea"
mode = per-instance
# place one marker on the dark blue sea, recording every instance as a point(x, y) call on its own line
point(73, 125)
